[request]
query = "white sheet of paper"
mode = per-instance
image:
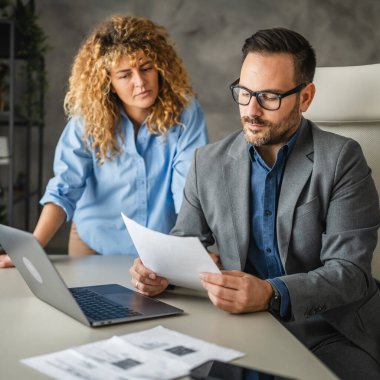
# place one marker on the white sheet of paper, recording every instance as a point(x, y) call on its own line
point(180, 347)
point(112, 359)
point(179, 259)
point(70, 365)
point(132, 362)
point(157, 353)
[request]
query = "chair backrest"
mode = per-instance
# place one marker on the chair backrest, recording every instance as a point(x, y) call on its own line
point(347, 102)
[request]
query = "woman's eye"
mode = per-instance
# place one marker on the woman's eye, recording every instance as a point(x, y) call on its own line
point(128, 75)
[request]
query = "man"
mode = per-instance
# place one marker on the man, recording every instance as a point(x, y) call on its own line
point(293, 210)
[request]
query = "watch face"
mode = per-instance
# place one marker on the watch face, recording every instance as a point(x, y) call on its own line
point(275, 302)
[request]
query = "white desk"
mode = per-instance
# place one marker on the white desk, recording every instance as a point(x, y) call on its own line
point(29, 327)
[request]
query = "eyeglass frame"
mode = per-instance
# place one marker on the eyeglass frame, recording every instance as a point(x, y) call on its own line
point(257, 93)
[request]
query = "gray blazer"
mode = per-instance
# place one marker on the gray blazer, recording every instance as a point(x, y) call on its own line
point(327, 221)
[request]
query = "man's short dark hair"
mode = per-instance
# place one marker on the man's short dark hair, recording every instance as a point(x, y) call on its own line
point(281, 40)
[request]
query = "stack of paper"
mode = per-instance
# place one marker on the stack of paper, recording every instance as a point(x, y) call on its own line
point(158, 353)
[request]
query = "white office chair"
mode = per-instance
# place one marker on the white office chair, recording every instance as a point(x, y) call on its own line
point(347, 102)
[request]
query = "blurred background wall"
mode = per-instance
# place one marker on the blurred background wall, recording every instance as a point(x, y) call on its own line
point(208, 35)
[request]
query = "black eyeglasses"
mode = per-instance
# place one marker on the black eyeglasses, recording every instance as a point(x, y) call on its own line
point(270, 101)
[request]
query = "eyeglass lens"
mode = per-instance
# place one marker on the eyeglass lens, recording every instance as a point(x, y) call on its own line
point(266, 99)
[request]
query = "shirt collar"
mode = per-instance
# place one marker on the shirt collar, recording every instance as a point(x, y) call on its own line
point(124, 115)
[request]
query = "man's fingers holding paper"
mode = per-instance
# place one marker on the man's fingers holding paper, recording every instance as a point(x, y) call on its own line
point(139, 270)
point(146, 281)
point(5, 261)
point(237, 292)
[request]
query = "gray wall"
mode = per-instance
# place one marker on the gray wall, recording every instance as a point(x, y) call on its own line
point(208, 35)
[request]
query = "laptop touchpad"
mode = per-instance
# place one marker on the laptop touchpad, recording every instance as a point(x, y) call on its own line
point(132, 301)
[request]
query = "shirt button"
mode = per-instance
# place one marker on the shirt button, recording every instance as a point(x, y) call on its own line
point(268, 250)
point(268, 213)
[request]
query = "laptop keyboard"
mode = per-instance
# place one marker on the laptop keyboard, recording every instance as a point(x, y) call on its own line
point(98, 308)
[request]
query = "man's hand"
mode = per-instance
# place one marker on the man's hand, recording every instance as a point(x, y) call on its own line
point(237, 292)
point(5, 261)
point(146, 281)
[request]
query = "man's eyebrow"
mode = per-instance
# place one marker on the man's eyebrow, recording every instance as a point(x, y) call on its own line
point(274, 90)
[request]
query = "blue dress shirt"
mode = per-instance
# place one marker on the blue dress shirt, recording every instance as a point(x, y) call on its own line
point(263, 258)
point(145, 181)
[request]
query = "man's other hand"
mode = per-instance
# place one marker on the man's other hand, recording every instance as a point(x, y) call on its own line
point(237, 292)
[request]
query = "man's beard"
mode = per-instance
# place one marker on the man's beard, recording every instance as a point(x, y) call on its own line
point(274, 133)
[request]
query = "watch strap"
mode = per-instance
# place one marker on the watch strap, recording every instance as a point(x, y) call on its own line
point(275, 301)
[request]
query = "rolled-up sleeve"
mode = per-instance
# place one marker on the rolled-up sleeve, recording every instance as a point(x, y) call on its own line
point(73, 164)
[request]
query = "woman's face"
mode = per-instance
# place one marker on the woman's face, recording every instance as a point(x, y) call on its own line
point(137, 86)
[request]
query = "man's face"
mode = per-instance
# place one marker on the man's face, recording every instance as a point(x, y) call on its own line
point(274, 73)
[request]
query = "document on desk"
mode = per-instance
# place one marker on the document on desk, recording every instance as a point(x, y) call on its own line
point(176, 346)
point(157, 353)
point(179, 259)
point(111, 359)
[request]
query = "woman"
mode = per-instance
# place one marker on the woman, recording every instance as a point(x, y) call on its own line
point(133, 126)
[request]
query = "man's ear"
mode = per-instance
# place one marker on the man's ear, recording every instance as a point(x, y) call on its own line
point(307, 95)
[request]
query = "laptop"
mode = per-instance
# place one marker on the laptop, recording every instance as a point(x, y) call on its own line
point(94, 306)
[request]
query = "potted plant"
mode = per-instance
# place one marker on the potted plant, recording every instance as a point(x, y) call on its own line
point(31, 45)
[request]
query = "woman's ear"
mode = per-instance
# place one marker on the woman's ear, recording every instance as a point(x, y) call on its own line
point(307, 95)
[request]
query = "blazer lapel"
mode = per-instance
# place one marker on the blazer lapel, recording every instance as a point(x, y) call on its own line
point(236, 169)
point(297, 172)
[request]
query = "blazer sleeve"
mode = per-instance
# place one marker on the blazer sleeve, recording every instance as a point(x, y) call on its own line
point(191, 220)
point(347, 242)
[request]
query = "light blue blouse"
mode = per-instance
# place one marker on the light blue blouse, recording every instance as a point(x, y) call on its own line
point(145, 181)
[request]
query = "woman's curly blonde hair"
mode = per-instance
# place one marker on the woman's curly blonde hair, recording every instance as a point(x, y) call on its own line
point(90, 95)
